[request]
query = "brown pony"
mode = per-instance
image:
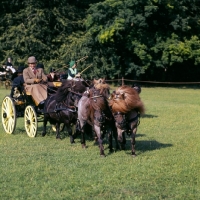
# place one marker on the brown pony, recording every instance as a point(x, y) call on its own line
point(126, 107)
point(93, 109)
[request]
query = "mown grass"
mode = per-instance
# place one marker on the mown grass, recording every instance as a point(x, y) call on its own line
point(166, 167)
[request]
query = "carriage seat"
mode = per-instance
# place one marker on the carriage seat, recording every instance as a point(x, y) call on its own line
point(55, 84)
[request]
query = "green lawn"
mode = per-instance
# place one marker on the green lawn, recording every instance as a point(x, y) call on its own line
point(167, 165)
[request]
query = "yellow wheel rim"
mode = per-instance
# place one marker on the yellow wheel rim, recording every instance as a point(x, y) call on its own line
point(8, 115)
point(30, 121)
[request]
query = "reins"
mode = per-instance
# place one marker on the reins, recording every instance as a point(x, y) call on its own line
point(96, 96)
point(137, 117)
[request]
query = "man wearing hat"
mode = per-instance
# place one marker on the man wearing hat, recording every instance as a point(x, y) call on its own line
point(18, 80)
point(34, 79)
point(72, 71)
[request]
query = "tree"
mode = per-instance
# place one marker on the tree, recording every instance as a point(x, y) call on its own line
point(137, 37)
point(39, 28)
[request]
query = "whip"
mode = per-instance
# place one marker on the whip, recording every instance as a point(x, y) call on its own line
point(66, 66)
point(85, 69)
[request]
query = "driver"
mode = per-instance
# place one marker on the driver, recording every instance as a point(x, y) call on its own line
point(34, 82)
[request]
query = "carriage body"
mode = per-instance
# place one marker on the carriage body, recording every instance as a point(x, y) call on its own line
point(21, 104)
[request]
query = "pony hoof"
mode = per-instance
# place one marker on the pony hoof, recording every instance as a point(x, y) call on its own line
point(134, 155)
point(83, 146)
point(43, 134)
point(103, 155)
point(58, 138)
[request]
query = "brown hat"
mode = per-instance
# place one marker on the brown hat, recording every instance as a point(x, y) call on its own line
point(32, 59)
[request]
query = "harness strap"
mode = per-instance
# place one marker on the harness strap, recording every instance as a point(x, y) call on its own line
point(60, 109)
point(132, 119)
point(118, 113)
point(69, 108)
point(96, 96)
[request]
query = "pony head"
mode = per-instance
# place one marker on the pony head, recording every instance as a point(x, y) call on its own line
point(125, 99)
point(101, 85)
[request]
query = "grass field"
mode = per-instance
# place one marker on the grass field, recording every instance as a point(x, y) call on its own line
point(167, 165)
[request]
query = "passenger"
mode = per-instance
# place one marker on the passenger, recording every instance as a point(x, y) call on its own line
point(72, 71)
point(9, 66)
point(18, 82)
point(9, 62)
point(52, 76)
point(34, 80)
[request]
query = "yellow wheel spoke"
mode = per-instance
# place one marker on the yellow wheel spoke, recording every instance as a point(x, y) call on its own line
point(30, 121)
point(8, 115)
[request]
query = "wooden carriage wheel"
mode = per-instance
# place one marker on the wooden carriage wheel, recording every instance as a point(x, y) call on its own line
point(30, 121)
point(8, 115)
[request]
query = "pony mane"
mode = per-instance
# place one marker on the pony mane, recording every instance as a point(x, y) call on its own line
point(100, 84)
point(125, 99)
point(67, 86)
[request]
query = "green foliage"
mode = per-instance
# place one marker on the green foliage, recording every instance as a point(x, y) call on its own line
point(145, 34)
point(40, 29)
point(121, 38)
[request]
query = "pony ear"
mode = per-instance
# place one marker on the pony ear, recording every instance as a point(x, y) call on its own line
point(94, 81)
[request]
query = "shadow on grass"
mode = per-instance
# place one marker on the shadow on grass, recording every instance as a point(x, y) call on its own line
point(150, 145)
point(148, 116)
point(143, 146)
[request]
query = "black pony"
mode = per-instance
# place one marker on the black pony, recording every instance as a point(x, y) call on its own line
point(61, 107)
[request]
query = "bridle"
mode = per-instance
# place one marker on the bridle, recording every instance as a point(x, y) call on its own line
point(100, 120)
point(127, 121)
point(72, 106)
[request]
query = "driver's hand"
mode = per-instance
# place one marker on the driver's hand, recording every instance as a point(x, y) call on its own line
point(37, 80)
point(78, 75)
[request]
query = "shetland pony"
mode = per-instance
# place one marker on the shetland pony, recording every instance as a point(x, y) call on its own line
point(126, 107)
point(61, 107)
point(93, 109)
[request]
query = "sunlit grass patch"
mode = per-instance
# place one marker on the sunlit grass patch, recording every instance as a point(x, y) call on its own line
point(166, 166)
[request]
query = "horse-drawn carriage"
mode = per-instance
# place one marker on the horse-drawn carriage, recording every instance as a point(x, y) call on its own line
point(73, 104)
point(22, 105)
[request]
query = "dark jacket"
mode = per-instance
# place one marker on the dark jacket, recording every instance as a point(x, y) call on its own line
point(9, 64)
point(19, 83)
